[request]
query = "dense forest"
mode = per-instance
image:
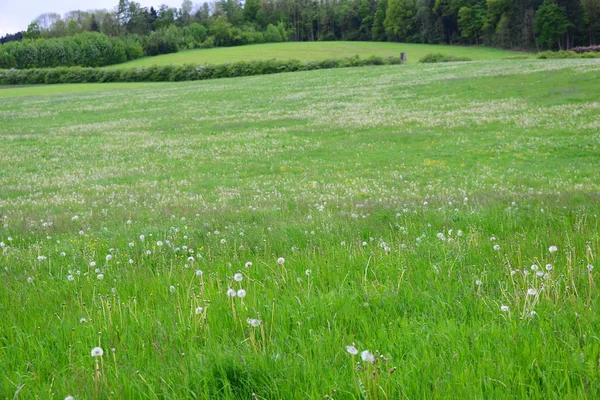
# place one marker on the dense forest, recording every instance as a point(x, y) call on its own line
point(100, 37)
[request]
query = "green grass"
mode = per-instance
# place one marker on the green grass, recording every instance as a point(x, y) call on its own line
point(309, 51)
point(36, 90)
point(409, 204)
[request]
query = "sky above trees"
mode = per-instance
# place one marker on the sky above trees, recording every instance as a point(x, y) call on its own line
point(15, 16)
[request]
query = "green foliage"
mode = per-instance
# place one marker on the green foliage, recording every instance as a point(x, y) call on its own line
point(399, 20)
point(441, 58)
point(189, 72)
point(273, 35)
point(89, 49)
point(550, 24)
point(562, 54)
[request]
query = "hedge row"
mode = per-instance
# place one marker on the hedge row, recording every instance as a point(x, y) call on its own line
point(566, 54)
point(173, 73)
point(440, 58)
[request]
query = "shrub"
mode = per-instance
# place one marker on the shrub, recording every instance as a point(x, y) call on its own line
point(566, 54)
point(439, 57)
point(166, 73)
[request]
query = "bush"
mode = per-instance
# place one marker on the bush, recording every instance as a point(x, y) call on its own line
point(166, 73)
point(439, 58)
point(90, 49)
point(566, 54)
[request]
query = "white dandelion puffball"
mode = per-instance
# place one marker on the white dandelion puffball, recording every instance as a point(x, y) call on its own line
point(71, 277)
point(497, 247)
point(223, 241)
point(352, 350)
point(478, 282)
point(254, 322)
point(548, 267)
point(248, 264)
point(97, 352)
point(108, 257)
point(531, 291)
point(142, 237)
point(367, 356)
point(92, 264)
point(238, 277)
point(231, 293)
point(30, 280)
point(199, 310)
point(100, 277)
point(69, 398)
point(505, 308)
point(308, 272)
point(552, 249)
point(280, 260)
point(199, 272)
point(159, 243)
point(535, 267)
point(590, 268)
point(241, 293)
point(172, 289)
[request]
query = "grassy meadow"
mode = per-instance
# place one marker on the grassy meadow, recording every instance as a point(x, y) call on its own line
point(394, 232)
point(310, 51)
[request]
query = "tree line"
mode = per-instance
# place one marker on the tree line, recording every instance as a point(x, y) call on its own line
point(511, 24)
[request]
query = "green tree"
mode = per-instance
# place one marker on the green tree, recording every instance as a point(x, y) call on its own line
point(33, 31)
point(550, 25)
point(399, 20)
point(591, 19)
point(470, 22)
point(378, 32)
point(251, 8)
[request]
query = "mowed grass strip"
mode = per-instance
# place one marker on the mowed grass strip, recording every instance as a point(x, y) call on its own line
point(309, 51)
point(414, 232)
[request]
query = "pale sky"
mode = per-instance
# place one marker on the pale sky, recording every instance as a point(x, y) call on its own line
point(16, 15)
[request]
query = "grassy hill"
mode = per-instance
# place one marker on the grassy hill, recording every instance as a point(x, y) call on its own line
point(308, 51)
point(429, 231)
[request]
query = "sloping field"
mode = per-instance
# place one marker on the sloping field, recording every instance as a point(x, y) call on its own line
point(309, 51)
point(429, 231)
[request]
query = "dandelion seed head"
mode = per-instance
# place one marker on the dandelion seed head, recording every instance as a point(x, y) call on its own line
point(352, 350)
point(504, 308)
point(497, 247)
point(97, 352)
point(248, 264)
point(199, 310)
point(280, 260)
point(238, 277)
point(552, 249)
point(241, 293)
point(199, 272)
point(532, 291)
point(367, 356)
point(231, 293)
